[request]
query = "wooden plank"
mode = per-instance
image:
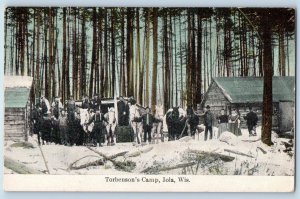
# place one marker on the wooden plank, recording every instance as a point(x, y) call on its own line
point(14, 131)
point(14, 118)
point(11, 110)
point(13, 122)
point(15, 138)
point(13, 113)
point(13, 126)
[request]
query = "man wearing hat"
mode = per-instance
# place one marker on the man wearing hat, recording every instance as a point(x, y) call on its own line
point(96, 134)
point(85, 103)
point(208, 122)
point(45, 106)
point(57, 107)
point(252, 120)
point(147, 119)
point(123, 112)
point(71, 108)
point(95, 103)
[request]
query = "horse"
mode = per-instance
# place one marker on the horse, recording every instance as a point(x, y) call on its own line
point(175, 120)
point(111, 124)
point(136, 126)
point(44, 129)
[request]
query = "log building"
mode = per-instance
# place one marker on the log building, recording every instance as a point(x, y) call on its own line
point(241, 92)
point(17, 107)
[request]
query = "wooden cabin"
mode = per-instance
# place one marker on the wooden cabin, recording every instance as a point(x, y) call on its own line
point(17, 107)
point(241, 92)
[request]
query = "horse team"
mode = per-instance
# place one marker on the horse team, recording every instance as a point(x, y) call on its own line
point(92, 123)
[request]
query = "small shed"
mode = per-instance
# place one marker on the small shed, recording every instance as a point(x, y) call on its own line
point(17, 107)
point(241, 92)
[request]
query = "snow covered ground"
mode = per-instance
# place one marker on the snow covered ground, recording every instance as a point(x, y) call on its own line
point(167, 157)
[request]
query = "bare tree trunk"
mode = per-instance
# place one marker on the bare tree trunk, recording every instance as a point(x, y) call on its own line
point(268, 74)
point(199, 59)
point(82, 73)
point(281, 52)
point(64, 56)
point(74, 54)
point(113, 64)
point(166, 64)
point(154, 70)
point(46, 59)
point(122, 73)
point(68, 88)
point(147, 21)
point(129, 51)
point(138, 59)
point(51, 59)
point(94, 54)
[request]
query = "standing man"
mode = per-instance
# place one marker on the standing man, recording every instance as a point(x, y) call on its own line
point(63, 128)
point(148, 119)
point(45, 106)
point(252, 120)
point(95, 103)
point(123, 112)
point(85, 103)
point(57, 107)
point(71, 108)
point(96, 134)
point(208, 122)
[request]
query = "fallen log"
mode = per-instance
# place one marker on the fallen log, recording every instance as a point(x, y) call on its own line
point(252, 140)
point(224, 158)
point(118, 155)
point(94, 163)
point(71, 166)
point(125, 166)
point(90, 164)
point(238, 153)
point(19, 167)
point(262, 150)
point(156, 169)
point(139, 152)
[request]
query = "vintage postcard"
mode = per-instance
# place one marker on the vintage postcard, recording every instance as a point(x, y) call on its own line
point(137, 99)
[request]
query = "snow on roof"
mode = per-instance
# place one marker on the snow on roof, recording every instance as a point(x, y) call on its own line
point(17, 81)
point(17, 90)
point(250, 89)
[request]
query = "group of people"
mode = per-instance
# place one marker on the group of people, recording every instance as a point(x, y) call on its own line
point(129, 114)
point(230, 122)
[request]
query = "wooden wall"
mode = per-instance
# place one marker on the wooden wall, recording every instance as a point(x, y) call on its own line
point(15, 124)
point(217, 101)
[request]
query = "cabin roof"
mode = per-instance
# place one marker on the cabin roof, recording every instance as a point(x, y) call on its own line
point(250, 89)
point(17, 90)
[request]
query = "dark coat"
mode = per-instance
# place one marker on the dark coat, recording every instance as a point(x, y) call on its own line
point(193, 120)
point(44, 108)
point(123, 113)
point(71, 106)
point(85, 104)
point(251, 118)
point(149, 122)
point(95, 104)
point(208, 118)
point(223, 119)
point(97, 118)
